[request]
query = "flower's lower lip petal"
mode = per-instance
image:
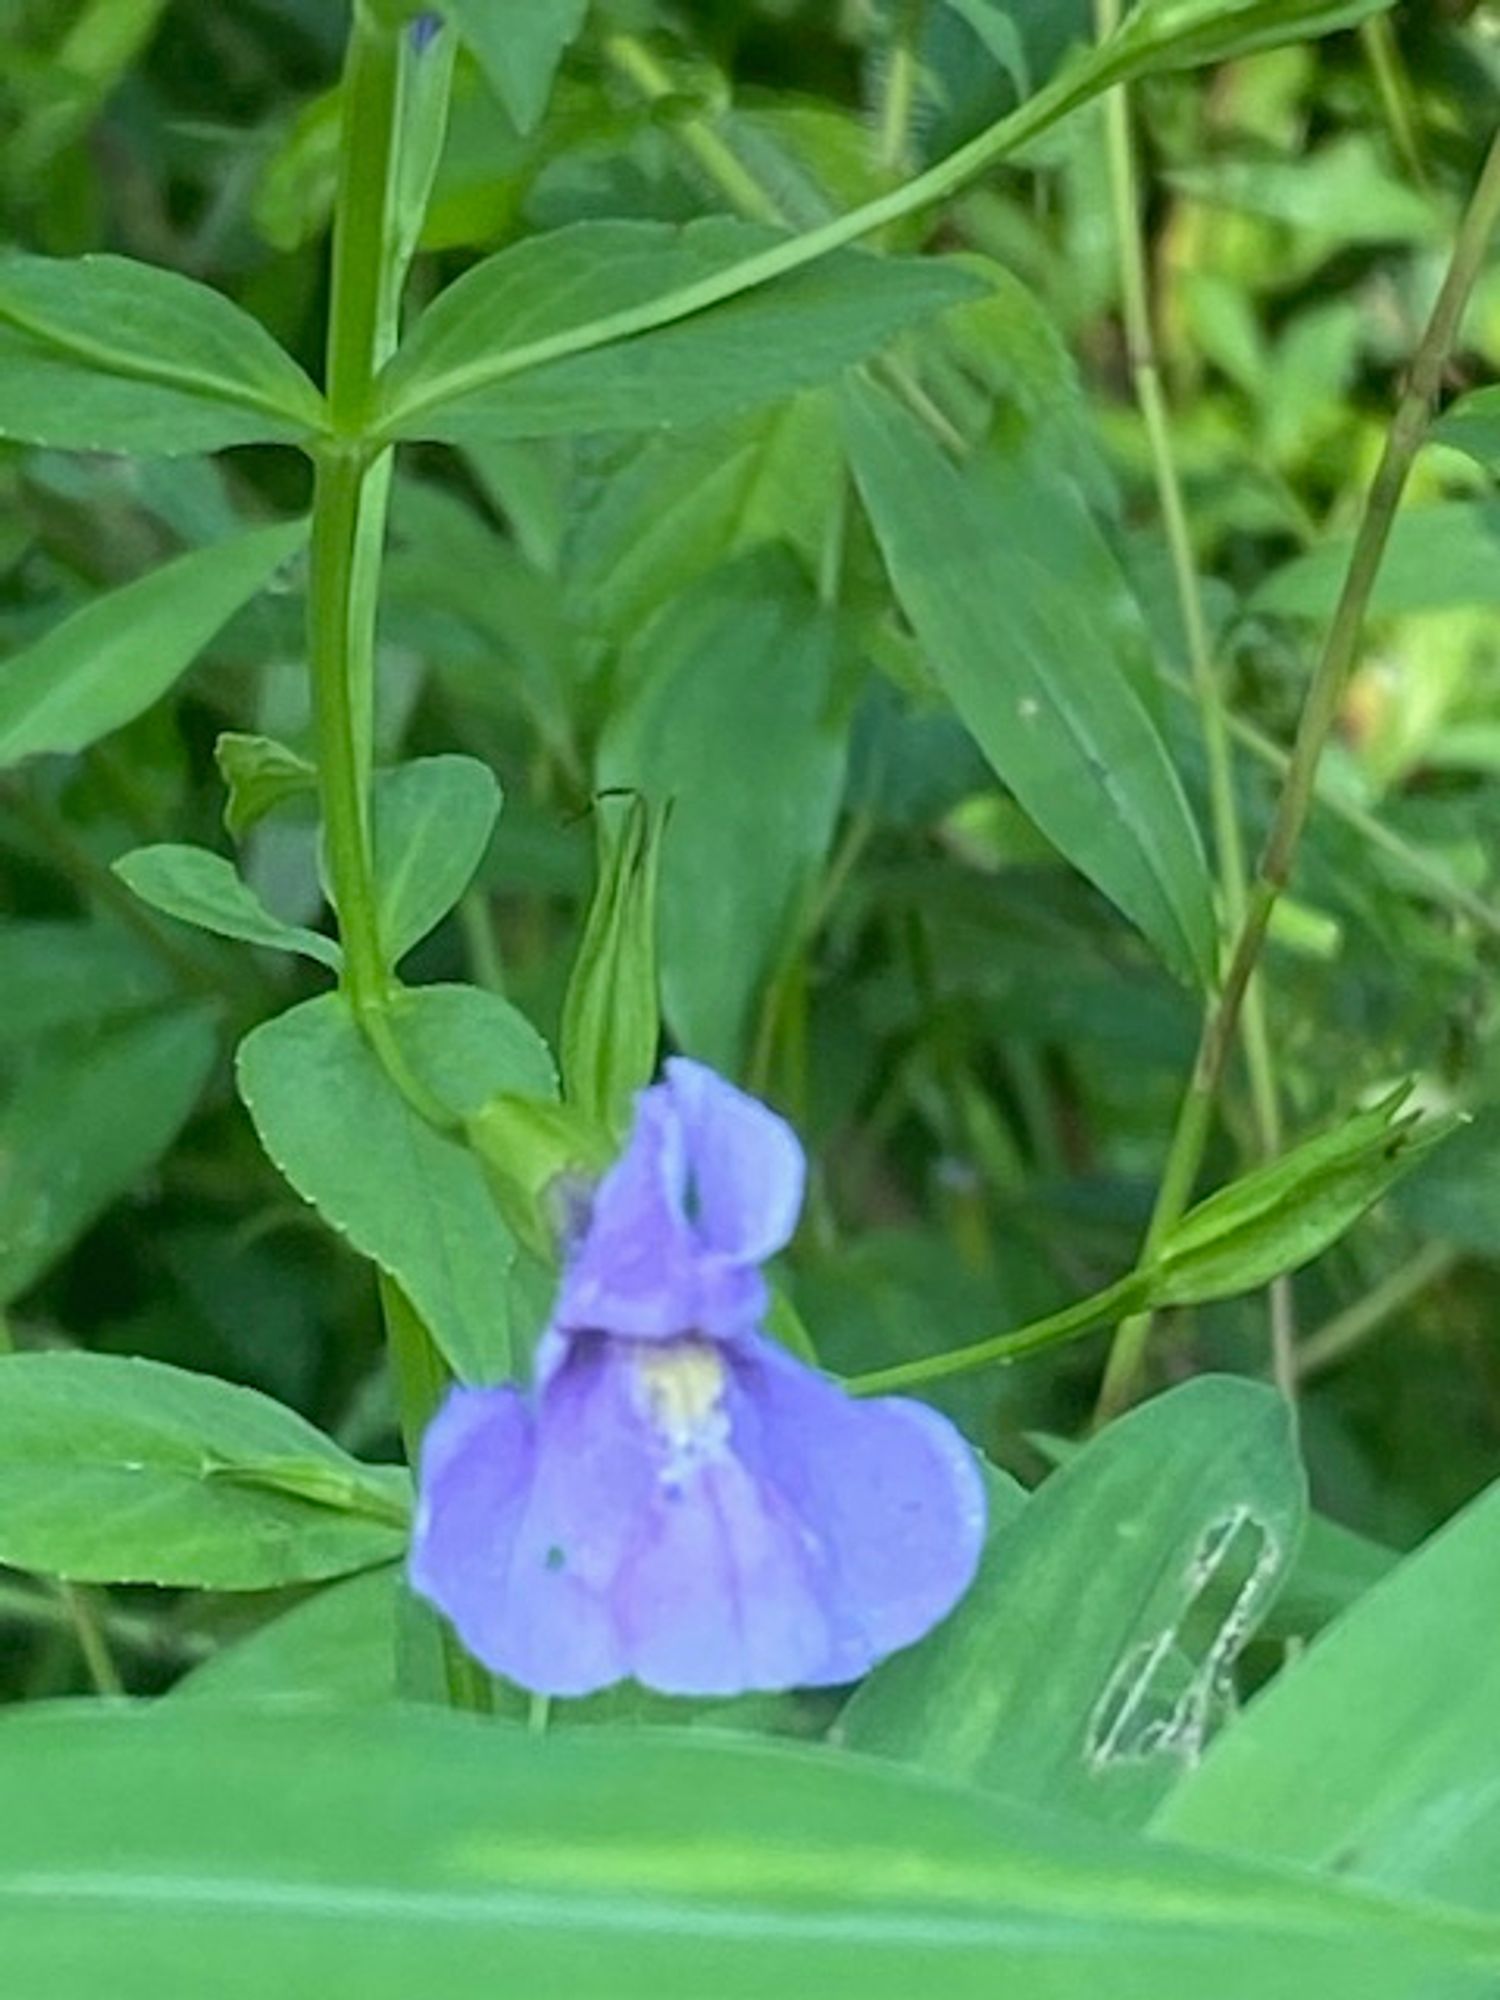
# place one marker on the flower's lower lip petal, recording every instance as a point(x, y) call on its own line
point(721, 1594)
point(888, 1488)
point(527, 1521)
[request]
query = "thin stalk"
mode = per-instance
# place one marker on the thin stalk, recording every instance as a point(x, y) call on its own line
point(372, 238)
point(1085, 1316)
point(1338, 1337)
point(1383, 53)
point(1229, 845)
point(1319, 713)
point(88, 1630)
point(1435, 879)
point(635, 62)
point(47, 1609)
point(898, 98)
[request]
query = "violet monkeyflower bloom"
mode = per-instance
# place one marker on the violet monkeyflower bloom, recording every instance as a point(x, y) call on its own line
point(678, 1499)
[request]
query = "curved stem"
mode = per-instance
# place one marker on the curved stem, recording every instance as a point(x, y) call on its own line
point(1083, 1317)
point(1319, 713)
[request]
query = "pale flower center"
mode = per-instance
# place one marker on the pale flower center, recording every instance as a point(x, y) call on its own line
point(679, 1387)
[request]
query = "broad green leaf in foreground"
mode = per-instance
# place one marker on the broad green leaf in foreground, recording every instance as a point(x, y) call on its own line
point(106, 354)
point(728, 727)
point(407, 1851)
point(432, 821)
point(518, 45)
point(1377, 1752)
point(82, 1122)
point(201, 888)
point(121, 1471)
point(1026, 656)
point(1093, 1657)
point(496, 354)
point(103, 665)
point(404, 1194)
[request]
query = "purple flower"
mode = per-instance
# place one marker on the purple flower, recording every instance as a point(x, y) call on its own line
point(678, 1500)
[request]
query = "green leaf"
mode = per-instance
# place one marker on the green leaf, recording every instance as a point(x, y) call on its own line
point(61, 973)
point(82, 1124)
point(339, 1645)
point(432, 822)
point(1181, 34)
point(364, 1853)
point(123, 1471)
point(1094, 1655)
point(1392, 1715)
point(728, 724)
point(1439, 555)
point(611, 1017)
point(1283, 1215)
point(1014, 600)
point(407, 1196)
point(104, 354)
point(102, 666)
point(519, 44)
point(1472, 425)
point(198, 887)
point(260, 774)
point(523, 344)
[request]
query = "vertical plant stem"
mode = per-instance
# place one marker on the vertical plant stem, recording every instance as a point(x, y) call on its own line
point(1213, 721)
point(1319, 713)
point(373, 235)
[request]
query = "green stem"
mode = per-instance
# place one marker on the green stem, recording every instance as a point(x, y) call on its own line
point(1099, 1309)
point(1435, 879)
point(1229, 845)
point(373, 234)
point(899, 96)
point(122, 1628)
point(718, 160)
point(1383, 53)
point(104, 1675)
point(1319, 713)
point(1338, 1337)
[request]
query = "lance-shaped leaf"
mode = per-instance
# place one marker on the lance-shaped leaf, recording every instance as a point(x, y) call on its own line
point(101, 667)
point(1014, 600)
point(389, 1852)
point(543, 337)
point(105, 354)
point(1285, 1214)
point(125, 1471)
point(1181, 34)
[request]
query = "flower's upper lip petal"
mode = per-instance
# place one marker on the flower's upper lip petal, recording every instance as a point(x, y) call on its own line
point(746, 1165)
point(635, 1272)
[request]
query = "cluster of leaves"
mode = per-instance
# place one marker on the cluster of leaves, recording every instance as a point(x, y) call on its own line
point(807, 602)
